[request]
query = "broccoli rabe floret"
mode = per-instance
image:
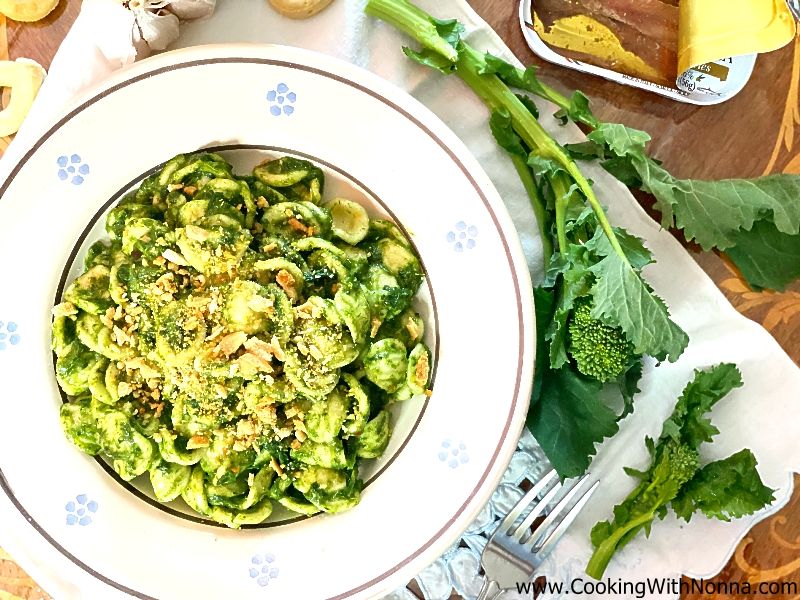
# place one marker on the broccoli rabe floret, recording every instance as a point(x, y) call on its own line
point(675, 476)
point(599, 351)
point(674, 465)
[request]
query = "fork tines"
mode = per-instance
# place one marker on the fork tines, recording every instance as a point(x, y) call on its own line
point(556, 521)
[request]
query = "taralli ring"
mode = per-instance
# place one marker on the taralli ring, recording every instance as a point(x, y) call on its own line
point(27, 10)
point(24, 77)
point(299, 9)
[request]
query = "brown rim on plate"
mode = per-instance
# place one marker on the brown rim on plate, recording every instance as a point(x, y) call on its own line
point(4, 484)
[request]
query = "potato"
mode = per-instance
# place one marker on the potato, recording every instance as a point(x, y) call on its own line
point(299, 9)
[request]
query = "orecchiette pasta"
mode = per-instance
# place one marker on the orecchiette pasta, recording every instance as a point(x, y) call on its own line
point(239, 341)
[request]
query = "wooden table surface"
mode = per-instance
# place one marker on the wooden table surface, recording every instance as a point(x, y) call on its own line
point(750, 135)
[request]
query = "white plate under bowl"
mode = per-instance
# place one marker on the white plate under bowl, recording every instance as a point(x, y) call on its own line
point(376, 144)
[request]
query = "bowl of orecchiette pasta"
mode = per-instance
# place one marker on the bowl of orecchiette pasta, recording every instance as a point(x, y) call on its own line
point(247, 341)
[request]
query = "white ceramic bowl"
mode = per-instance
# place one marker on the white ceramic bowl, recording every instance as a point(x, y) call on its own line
point(93, 536)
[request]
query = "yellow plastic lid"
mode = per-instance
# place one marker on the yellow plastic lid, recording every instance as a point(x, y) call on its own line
point(713, 29)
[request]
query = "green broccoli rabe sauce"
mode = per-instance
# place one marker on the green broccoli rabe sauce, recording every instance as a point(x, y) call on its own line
point(238, 339)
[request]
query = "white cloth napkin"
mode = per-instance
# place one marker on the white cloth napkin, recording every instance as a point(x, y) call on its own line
point(762, 415)
point(98, 44)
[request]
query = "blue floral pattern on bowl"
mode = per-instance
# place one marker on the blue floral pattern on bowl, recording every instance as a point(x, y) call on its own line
point(457, 570)
point(263, 569)
point(72, 169)
point(462, 236)
point(80, 510)
point(281, 100)
point(453, 454)
point(9, 335)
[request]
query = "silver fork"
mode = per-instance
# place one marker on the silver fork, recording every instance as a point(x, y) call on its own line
point(511, 556)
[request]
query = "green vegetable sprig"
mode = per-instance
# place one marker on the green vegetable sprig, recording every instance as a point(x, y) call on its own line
point(724, 489)
point(597, 317)
point(756, 222)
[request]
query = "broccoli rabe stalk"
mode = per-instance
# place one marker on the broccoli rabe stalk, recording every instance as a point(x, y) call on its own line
point(674, 475)
point(442, 38)
point(739, 216)
point(587, 261)
point(529, 183)
point(431, 33)
point(562, 170)
point(519, 132)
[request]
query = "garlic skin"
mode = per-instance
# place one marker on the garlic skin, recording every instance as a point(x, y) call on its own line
point(158, 29)
point(187, 10)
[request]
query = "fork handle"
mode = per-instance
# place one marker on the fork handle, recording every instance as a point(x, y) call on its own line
point(489, 590)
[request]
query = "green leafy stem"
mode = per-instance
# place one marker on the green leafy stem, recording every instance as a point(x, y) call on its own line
point(471, 66)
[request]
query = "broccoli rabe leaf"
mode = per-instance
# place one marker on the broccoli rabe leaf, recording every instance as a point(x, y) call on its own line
point(429, 58)
point(766, 257)
point(511, 75)
point(504, 134)
point(688, 422)
point(544, 165)
point(725, 489)
point(591, 151)
point(569, 419)
point(633, 247)
point(450, 30)
point(708, 211)
point(756, 221)
point(621, 299)
point(529, 104)
point(621, 168)
point(619, 139)
point(575, 109)
point(576, 282)
point(629, 384)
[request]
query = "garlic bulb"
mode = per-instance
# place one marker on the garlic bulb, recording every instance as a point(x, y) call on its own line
point(159, 29)
point(157, 22)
